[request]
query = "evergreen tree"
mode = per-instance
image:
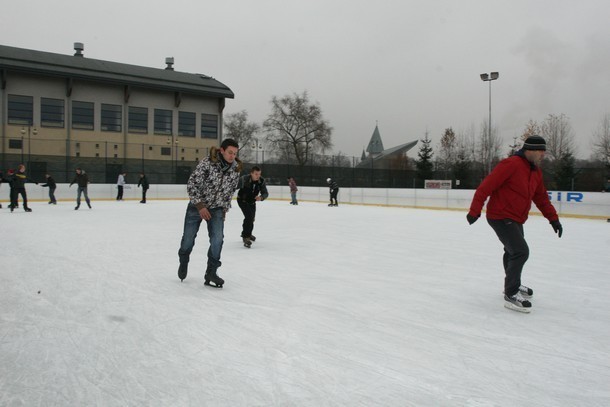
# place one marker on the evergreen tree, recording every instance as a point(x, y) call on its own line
point(424, 164)
point(565, 172)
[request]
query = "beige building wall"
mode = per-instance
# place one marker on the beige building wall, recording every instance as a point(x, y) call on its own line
point(92, 143)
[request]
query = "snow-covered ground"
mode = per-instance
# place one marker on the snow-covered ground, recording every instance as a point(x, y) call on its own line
point(347, 306)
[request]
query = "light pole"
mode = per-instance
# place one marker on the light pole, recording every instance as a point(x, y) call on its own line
point(30, 131)
point(256, 146)
point(488, 78)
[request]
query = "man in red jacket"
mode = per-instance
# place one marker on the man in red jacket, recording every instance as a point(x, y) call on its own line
point(513, 184)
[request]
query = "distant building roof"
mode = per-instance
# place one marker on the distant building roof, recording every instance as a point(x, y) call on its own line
point(79, 67)
point(375, 145)
point(386, 154)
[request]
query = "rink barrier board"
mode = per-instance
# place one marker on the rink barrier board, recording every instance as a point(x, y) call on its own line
point(592, 205)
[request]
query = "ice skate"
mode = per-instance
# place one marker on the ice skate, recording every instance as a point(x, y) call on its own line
point(247, 242)
point(76, 207)
point(517, 303)
point(212, 279)
point(27, 209)
point(182, 271)
point(253, 238)
point(526, 291)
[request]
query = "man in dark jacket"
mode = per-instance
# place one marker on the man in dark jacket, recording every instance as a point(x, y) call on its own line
point(52, 186)
point(18, 188)
point(143, 182)
point(81, 179)
point(252, 188)
point(333, 190)
point(513, 184)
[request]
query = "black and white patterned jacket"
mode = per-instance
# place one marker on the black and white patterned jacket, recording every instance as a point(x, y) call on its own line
point(213, 182)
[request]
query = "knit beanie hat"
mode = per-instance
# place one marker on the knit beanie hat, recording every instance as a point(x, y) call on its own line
point(534, 143)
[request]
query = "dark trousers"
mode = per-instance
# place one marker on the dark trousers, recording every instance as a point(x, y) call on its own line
point(15, 192)
point(52, 194)
point(119, 194)
point(516, 252)
point(144, 194)
point(333, 195)
point(249, 211)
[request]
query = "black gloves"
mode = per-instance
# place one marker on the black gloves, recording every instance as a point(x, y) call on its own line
point(557, 227)
point(471, 219)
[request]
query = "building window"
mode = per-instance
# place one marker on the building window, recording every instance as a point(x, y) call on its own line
point(112, 117)
point(52, 112)
point(82, 115)
point(15, 144)
point(209, 126)
point(166, 151)
point(116, 156)
point(97, 154)
point(186, 124)
point(77, 154)
point(150, 148)
point(138, 119)
point(20, 109)
point(163, 121)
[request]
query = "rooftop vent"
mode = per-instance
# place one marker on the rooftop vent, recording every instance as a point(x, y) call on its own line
point(79, 47)
point(170, 63)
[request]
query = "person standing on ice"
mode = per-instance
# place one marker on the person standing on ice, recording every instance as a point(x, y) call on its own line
point(252, 188)
point(19, 179)
point(81, 179)
point(143, 182)
point(292, 184)
point(210, 188)
point(334, 190)
point(120, 185)
point(52, 186)
point(512, 186)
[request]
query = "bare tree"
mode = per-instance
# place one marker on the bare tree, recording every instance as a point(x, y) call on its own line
point(296, 128)
point(489, 147)
point(447, 151)
point(239, 129)
point(532, 128)
point(601, 141)
point(557, 131)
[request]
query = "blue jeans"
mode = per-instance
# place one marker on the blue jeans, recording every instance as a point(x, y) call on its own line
point(293, 195)
point(192, 222)
point(82, 190)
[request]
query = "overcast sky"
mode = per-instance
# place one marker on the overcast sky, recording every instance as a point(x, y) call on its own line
point(411, 66)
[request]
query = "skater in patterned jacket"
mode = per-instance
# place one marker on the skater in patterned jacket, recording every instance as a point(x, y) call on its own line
point(210, 189)
point(513, 184)
point(252, 188)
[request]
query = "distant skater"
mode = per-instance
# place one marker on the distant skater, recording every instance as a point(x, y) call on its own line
point(512, 186)
point(120, 184)
point(292, 184)
point(333, 190)
point(52, 186)
point(252, 189)
point(81, 179)
point(143, 182)
point(19, 179)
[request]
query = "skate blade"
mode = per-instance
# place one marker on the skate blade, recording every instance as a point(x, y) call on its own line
point(513, 307)
point(209, 284)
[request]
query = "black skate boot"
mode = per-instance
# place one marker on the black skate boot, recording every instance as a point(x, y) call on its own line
point(253, 238)
point(212, 279)
point(182, 271)
point(76, 207)
point(247, 242)
point(526, 291)
point(27, 209)
point(89, 205)
point(517, 303)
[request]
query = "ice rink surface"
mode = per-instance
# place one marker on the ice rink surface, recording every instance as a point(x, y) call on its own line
point(347, 306)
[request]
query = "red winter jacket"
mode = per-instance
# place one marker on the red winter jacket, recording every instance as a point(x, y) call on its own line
point(513, 184)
